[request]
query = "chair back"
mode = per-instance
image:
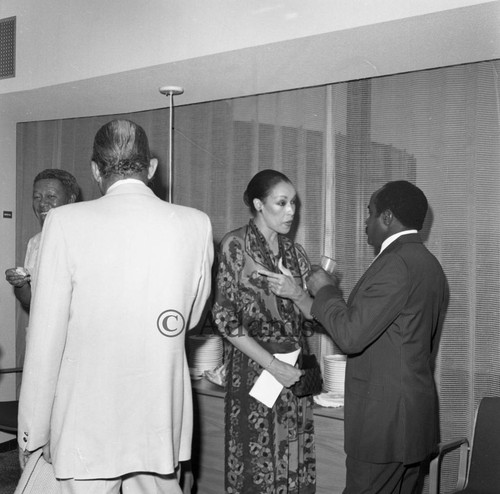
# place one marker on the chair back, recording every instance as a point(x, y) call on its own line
point(8, 416)
point(8, 409)
point(484, 470)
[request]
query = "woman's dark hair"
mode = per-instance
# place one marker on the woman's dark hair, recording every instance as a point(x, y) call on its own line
point(67, 180)
point(121, 147)
point(260, 186)
point(406, 202)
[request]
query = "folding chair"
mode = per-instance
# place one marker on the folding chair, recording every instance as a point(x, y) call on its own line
point(479, 464)
point(8, 409)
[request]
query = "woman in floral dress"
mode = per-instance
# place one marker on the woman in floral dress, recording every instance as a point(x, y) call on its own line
point(258, 308)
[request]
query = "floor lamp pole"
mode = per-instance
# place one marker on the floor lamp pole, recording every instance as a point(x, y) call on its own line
point(170, 91)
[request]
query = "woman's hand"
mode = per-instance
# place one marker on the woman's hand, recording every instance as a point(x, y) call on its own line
point(16, 278)
point(282, 285)
point(284, 373)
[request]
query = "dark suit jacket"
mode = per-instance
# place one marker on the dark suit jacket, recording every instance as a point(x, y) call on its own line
point(387, 328)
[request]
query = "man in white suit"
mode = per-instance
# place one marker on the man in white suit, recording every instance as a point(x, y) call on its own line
point(106, 390)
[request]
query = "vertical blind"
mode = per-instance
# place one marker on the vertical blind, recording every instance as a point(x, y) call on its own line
point(338, 143)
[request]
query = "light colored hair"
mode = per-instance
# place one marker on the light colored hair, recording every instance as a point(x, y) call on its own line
point(121, 148)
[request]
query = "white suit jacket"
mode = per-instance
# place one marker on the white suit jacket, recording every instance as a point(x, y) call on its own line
point(119, 281)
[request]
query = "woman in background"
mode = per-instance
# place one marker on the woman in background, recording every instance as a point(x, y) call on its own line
point(268, 450)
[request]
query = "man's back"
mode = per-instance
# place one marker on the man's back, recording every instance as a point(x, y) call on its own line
point(120, 280)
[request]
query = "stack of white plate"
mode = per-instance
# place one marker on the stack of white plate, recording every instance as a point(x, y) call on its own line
point(334, 373)
point(204, 354)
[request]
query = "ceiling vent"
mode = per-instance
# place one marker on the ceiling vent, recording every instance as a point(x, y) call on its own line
point(7, 47)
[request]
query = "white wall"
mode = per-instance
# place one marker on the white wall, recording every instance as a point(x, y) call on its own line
point(69, 40)
point(87, 57)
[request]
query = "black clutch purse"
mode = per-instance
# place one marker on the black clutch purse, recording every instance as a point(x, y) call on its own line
point(311, 383)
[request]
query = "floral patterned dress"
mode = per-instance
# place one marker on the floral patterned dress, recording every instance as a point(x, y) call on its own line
point(267, 450)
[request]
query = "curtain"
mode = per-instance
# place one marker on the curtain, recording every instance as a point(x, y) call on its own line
point(440, 130)
point(338, 144)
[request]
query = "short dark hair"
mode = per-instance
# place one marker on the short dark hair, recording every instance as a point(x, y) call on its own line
point(67, 180)
point(121, 147)
point(406, 202)
point(260, 186)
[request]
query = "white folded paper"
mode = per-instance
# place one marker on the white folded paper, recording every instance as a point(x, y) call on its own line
point(267, 389)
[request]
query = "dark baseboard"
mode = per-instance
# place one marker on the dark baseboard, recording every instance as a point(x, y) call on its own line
point(8, 445)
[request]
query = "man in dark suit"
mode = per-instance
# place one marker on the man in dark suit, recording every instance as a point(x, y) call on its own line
point(387, 328)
